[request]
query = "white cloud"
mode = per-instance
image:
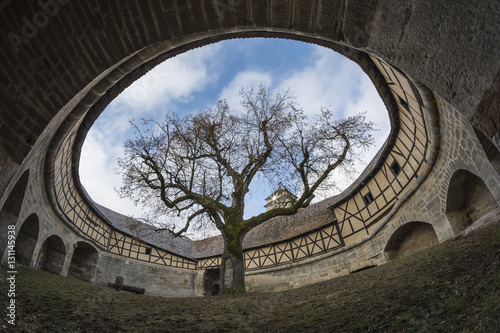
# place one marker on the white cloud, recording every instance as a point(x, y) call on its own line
point(172, 80)
point(370, 102)
point(328, 80)
point(334, 81)
point(97, 161)
point(245, 79)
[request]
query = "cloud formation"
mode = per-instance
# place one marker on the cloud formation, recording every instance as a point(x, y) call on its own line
point(174, 80)
point(153, 94)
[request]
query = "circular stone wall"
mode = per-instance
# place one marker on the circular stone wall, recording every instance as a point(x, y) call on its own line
point(390, 175)
point(54, 70)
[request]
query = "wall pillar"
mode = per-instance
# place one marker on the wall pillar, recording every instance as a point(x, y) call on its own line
point(67, 261)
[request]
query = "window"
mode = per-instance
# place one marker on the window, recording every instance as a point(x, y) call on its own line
point(396, 168)
point(404, 103)
point(147, 250)
point(368, 198)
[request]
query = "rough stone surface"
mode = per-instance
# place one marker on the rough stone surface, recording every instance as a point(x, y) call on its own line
point(451, 46)
point(156, 280)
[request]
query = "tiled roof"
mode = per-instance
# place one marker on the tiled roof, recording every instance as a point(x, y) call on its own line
point(162, 239)
point(285, 227)
point(274, 230)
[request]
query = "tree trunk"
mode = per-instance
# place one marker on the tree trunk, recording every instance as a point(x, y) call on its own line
point(232, 267)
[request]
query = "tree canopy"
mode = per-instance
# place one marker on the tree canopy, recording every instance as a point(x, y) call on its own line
point(200, 167)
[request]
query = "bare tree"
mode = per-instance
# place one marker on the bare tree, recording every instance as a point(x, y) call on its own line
point(199, 168)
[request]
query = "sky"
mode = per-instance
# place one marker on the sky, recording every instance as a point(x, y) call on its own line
point(196, 79)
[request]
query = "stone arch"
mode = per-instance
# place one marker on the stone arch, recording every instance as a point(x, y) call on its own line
point(212, 282)
point(410, 238)
point(364, 25)
point(84, 262)
point(490, 149)
point(27, 239)
point(52, 255)
point(468, 199)
point(12, 208)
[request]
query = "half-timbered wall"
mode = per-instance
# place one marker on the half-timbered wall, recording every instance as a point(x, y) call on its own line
point(78, 212)
point(359, 212)
point(356, 215)
point(310, 244)
point(355, 218)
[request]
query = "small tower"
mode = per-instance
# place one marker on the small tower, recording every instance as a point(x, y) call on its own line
point(281, 198)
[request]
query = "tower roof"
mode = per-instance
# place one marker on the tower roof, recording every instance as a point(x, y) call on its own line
point(278, 191)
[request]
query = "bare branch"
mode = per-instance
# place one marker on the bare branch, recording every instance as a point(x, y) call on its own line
point(200, 167)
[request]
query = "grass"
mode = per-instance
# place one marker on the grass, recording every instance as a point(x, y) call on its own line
point(453, 287)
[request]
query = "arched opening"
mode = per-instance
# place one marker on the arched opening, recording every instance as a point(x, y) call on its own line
point(52, 255)
point(84, 262)
point(468, 199)
point(212, 282)
point(490, 149)
point(410, 238)
point(11, 209)
point(27, 239)
point(240, 62)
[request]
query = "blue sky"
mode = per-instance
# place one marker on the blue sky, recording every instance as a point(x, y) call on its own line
point(197, 79)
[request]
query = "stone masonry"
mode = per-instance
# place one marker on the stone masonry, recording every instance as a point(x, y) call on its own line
point(61, 59)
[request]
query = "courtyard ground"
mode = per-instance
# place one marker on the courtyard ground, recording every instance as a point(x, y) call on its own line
point(453, 287)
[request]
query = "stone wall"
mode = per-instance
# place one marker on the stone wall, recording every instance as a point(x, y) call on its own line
point(58, 258)
point(27, 237)
point(155, 279)
point(410, 238)
point(53, 50)
point(7, 170)
point(84, 262)
point(459, 149)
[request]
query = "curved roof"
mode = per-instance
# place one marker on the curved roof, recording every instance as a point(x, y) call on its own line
point(275, 230)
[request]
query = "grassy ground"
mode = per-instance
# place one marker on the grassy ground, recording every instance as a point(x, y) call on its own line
point(453, 287)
